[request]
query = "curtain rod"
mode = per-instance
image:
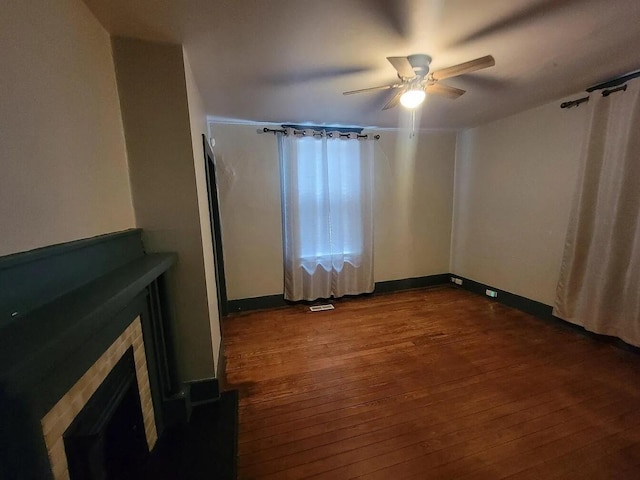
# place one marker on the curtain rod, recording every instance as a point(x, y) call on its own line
point(605, 93)
point(318, 134)
point(615, 82)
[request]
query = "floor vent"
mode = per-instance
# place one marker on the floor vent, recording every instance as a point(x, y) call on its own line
point(321, 308)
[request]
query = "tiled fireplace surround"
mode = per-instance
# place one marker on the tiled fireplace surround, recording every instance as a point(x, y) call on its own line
point(58, 419)
point(68, 314)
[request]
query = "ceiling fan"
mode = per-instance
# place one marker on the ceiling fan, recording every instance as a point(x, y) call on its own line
point(413, 71)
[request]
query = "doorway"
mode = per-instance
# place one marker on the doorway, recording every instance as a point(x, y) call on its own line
point(216, 228)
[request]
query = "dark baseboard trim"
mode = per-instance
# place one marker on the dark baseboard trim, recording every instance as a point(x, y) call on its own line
point(507, 298)
point(276, 301)
point(532, 307)
point(410, 283)
point(541, 311)
point(257, 303)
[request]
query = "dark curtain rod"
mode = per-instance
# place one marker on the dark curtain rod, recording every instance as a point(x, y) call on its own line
point(615, 82)
point(318, 134)
point(605, 87)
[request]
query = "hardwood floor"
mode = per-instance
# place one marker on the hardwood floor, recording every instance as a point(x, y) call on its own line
point(434, 383)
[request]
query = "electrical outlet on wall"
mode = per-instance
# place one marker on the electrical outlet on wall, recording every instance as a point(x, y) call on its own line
point(491, 293)
point(456, 280)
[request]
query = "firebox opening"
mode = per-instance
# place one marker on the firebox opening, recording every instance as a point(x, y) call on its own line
point(107, 439)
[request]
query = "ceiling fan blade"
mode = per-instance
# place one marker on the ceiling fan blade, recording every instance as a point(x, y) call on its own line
point(403, 66)
point(444, 90)
point(466, 67)
point(371, 89)
point(393, 101)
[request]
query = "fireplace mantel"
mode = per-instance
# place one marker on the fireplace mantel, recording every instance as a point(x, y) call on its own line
point(61, 307)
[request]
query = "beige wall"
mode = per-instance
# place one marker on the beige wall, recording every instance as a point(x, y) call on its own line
point(413, 204)
point(413, 207)
point(199, 127)
point(514, 183)
point(249, 191)
point(62, 150)
point(153, 96)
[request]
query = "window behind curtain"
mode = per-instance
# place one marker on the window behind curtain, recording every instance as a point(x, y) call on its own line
point(334, 189)
point(327, 215)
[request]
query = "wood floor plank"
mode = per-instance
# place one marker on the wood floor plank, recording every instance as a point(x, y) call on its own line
point(452, 455)
point(371, 455)
point(598, 459)
point(436, 383)
point(476, 407)
point(387, 427)
point(422, 402)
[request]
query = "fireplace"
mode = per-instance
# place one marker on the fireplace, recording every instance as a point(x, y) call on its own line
point(82, 415)
point(81, 323)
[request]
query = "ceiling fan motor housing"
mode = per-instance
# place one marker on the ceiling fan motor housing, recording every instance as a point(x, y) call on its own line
point(420, 64)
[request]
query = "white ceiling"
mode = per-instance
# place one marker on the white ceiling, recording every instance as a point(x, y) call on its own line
point(290, 60)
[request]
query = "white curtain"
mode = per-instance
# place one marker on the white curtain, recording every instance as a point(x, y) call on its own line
point(599, 285)
point(327, 210)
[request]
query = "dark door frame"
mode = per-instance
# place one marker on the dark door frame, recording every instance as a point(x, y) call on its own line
point(216, 227)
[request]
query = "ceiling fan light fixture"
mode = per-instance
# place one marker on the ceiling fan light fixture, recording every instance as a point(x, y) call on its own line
point(412, 98)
